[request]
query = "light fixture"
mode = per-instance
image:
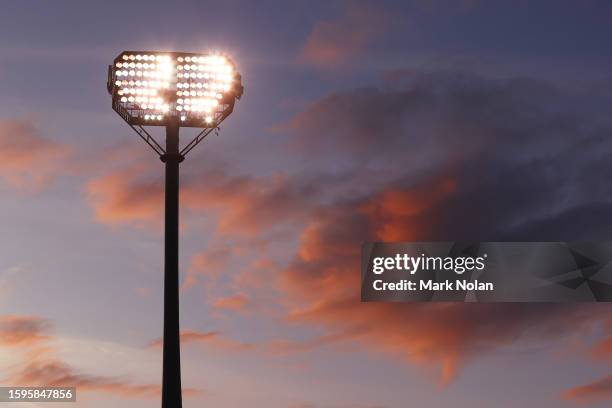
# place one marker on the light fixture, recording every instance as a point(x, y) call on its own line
point(165, 79)
point(165, 89)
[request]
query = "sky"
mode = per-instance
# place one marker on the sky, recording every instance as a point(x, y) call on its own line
point(387, 120)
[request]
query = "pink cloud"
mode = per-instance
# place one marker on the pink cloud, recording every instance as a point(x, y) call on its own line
point(242, 205)
point(127, 196)
point(42, 368)
point(22, 330)
point(211, 338)
point(30, 161)
point(324, 287)
point(603, 349)
point(599, 390)
point(53, 373)
point(235, 302)
point(207, 263)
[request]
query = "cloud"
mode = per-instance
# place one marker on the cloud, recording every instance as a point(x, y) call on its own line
point(444, 115)
point(235, 302)
point(54, 373)
point(436, 156)
point(257, 275)
point(603, 349)
point(50, 372)
point(287, 347)
point(208, 263)
point(500, 154)
point(242, 205)
point(335, 42)
point(352, 405)
point(248, 205)
point(596, 391)
point(22, 330)
point(447, 156)
point(30, 161)
point(41, 367)
point(211, 338)
point(127, 195)
point(441, 335)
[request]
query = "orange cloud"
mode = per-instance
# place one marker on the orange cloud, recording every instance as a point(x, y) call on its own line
point(128, 196)
point(395, 209)
point(29, 161)
point(22, 330)
point(235, 302)
point(209, 263)
point(247, 205)
point(210, 338)
point(42, 368)
point(603, 349)
point(323, 283)
point(335, 42)
point(257, 275)
point(596, 391)
point(53, 373)
point(243, 205)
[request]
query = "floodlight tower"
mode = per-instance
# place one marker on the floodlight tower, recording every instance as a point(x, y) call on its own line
point(173, 90)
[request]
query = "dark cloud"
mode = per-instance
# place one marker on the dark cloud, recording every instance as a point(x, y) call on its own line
point(583, 222)
point(464, 158)
point(519, 151)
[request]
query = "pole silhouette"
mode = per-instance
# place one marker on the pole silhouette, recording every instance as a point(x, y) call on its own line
point(171, 379)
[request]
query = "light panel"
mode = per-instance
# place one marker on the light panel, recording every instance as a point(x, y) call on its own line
point(153, 88)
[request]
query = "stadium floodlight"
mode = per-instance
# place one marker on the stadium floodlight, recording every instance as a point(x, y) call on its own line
point(174, 90)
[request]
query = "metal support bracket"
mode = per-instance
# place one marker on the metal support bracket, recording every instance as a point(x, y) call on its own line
point(144, 135)
point(196, 140)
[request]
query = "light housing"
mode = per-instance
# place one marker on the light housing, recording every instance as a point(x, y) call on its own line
point(158, 88)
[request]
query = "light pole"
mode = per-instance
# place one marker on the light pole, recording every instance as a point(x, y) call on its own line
point(173, 90)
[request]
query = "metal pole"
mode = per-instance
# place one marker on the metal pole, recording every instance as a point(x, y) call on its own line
point(171, 380)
